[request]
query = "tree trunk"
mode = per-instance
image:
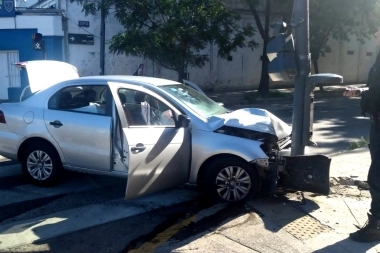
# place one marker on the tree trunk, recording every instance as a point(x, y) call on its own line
point(181, 75)
point(316, 70)
point(264, 80)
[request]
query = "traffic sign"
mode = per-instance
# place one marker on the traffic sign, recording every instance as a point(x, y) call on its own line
point(83, 39)
point(7, 8)
point(38, 45)
point(82, 23)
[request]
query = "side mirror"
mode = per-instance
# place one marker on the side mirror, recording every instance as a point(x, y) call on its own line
point(183, 121)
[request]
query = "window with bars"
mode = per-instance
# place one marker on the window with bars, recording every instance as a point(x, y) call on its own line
point(13, 71)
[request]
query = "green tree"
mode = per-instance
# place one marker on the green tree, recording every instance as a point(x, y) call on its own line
point(253, 5)
point(340, 20)
point(264, 33)
point(175, 33)
point(337, 19)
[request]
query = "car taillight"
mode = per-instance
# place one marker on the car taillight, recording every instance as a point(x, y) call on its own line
point(2, 117)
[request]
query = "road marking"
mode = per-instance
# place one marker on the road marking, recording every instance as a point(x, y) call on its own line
point(68, 221)
point(163, 236)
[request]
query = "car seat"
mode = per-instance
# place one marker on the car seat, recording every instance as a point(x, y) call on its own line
point(141, 108)
point(123, 100)
point(65, 100)
point(89, 95)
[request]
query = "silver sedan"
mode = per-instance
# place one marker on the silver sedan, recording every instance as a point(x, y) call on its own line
point(157, 133)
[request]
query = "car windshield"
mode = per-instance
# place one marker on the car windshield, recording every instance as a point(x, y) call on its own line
point(198, 102)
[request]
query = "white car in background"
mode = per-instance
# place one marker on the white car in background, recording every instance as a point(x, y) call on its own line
point(157, 133)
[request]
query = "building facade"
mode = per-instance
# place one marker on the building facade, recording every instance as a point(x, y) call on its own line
point(68, 35)
point(16, 45)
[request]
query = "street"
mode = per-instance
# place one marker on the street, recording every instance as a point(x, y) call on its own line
point(337, 122)
point(87, 213)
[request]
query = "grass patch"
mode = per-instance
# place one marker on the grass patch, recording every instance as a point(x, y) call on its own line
point(253, 96)
point(358, 144)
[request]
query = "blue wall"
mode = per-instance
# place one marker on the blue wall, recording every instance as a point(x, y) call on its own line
point(53, 47)
point(21, 40)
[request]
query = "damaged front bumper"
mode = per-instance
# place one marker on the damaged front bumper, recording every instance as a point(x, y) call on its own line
point(309, 173)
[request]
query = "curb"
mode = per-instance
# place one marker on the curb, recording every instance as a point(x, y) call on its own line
point(239, 98)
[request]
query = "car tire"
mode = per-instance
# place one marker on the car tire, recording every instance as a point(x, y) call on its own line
point(41, 164)
point(230, 179)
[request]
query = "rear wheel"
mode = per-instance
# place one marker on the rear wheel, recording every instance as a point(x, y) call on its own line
point(41, 164)
point(231, 180)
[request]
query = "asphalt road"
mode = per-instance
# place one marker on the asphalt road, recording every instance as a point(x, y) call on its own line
point(87, 213)
point(337, 122)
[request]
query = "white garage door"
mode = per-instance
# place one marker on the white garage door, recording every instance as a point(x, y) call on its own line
point(9, 74)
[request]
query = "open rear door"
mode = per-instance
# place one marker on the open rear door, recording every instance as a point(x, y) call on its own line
point(307, 173)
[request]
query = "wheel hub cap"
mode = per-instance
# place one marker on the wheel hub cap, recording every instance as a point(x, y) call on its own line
point(233, 183)
point(39, 165)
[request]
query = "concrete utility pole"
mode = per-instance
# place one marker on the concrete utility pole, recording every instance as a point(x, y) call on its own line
point(302, 50)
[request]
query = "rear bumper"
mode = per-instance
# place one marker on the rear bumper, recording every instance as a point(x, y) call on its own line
point(9, 144)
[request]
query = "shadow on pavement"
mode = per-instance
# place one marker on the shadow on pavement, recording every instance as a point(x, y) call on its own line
point(256, 225)
point(348, 246)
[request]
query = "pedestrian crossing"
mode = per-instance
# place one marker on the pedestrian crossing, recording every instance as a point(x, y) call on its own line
point(31, 213)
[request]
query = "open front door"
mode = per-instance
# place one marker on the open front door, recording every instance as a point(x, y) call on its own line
point(307, 173)
point(159, 158)
point(157, 148)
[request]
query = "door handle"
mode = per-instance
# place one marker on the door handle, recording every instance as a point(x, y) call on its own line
point(56, 123)
point(139, 147)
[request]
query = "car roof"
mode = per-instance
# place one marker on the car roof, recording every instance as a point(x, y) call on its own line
point(137, 80)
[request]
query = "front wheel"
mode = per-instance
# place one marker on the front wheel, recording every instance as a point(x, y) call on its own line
point(41, 164)
point(231, 180)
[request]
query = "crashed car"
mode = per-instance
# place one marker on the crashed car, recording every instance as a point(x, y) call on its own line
point(157, 133)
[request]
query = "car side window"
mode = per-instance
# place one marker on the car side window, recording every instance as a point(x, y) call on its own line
point(85, 99)
point(141, 109)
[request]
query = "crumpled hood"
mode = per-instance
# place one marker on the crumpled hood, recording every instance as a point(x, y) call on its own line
point(259, 120)
point(45, 73)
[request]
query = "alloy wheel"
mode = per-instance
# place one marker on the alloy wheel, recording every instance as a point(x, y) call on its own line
point(233, 183)
point(40, 165)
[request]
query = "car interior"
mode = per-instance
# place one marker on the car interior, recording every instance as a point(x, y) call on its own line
point(140, 109)
point(89, 99)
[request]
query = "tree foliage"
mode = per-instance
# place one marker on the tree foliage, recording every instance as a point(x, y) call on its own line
point(175, 33)
point(341, 20)
point(338, 19)
point(264, 32)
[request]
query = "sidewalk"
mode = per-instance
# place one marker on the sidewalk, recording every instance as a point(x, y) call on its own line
point(230, 98)
point(353, 164)
point(303, 223)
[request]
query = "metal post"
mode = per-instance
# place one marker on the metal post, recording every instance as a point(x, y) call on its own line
point(301, 21)
point(102, 38)
point(43, 50)
point(66, 39)
point(153, 18)
point(308, 117)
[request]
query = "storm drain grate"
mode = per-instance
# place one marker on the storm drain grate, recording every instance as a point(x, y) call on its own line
point(305, 227)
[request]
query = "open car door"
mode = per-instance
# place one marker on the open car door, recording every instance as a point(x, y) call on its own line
point(158, 155)
point(307, 173)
